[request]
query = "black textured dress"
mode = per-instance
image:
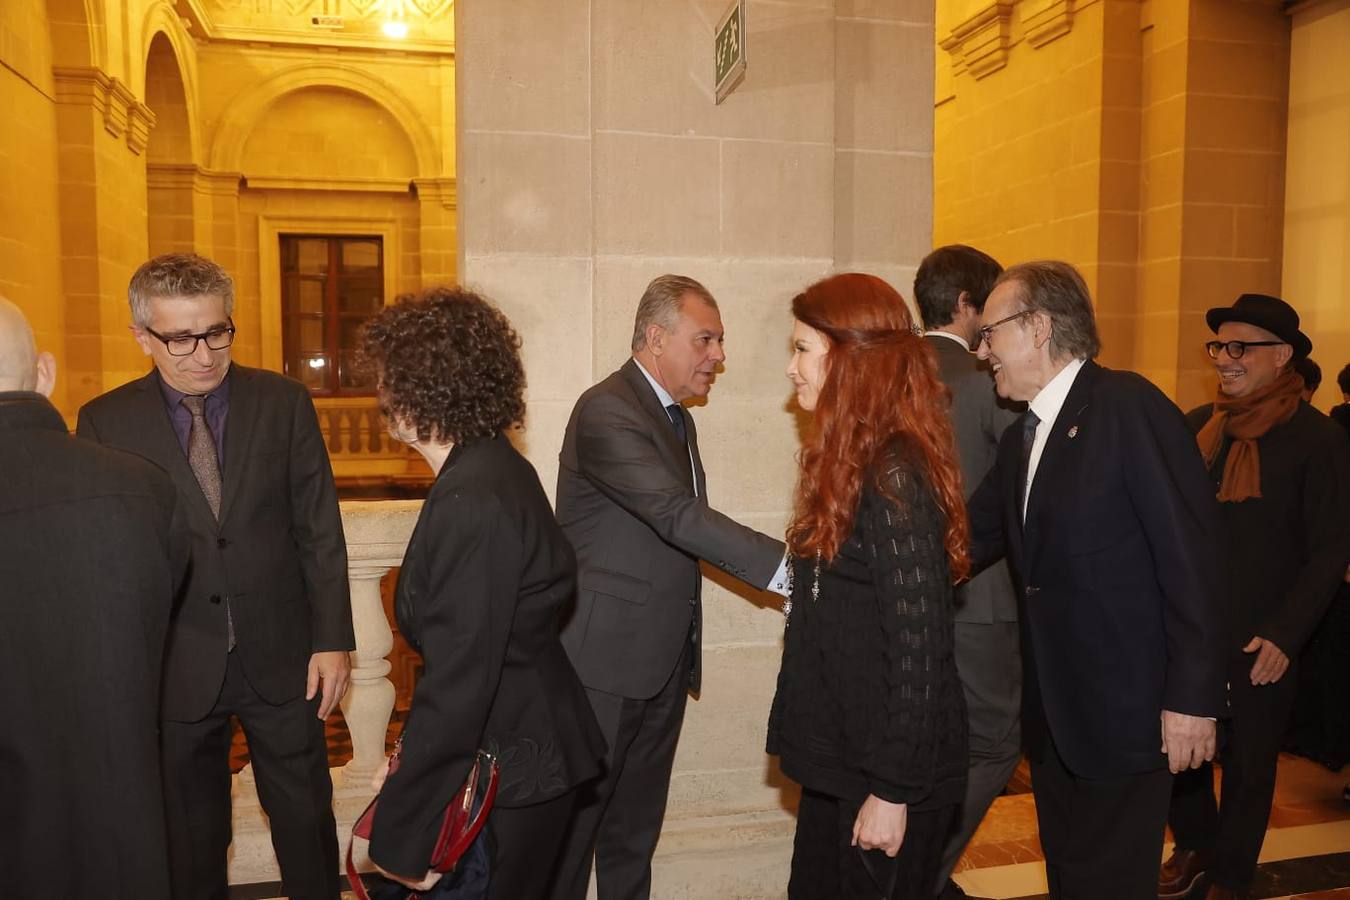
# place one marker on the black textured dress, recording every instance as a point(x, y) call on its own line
point(868, 698)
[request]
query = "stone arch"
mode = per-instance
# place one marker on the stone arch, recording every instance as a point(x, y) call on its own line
point(78, 33)
point(163, 33)
point(173, 139)
point(250, 105)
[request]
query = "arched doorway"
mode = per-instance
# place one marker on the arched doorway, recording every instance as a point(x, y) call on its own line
point(170, 218)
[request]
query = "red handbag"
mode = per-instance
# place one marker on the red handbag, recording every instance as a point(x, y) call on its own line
point(463, 820)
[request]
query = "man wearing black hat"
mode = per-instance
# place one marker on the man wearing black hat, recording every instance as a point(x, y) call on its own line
point(1281, 471)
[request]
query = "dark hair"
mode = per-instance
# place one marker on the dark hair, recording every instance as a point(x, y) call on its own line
point(177, 275)
point(448, 364)
point(1343, 379)
point(662, 302)
point(1309, 371)
point(1056, 289)
point(944, 274)
point(881, 385)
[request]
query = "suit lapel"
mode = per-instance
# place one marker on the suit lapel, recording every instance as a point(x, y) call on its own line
point(161, 441)
point(239, 427)
point(1056, 458)
point(700, 478)
point(666, 438)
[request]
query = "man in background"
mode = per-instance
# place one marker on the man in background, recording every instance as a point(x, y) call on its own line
point(950, 289)
point(265, 625)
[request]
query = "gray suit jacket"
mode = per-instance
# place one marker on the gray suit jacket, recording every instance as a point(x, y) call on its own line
point(627, 503)
point(979, 418)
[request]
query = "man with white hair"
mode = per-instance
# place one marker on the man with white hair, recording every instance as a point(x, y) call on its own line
point(92, 553)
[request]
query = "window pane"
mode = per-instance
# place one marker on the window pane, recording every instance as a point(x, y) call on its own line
point(312, 370)
point(306, 335)
point(303, 295)
point(360, 255)
point(360, 295)
point(311, 255)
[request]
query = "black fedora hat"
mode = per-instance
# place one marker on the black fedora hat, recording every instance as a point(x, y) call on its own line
point(1263, 311)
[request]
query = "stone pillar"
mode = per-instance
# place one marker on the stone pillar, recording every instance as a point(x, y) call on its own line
point(591, 159)
point(1317, 193)
point(437, 236)
point(103, 130)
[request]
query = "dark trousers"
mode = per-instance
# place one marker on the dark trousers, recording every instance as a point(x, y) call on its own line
point(618, 817)
point(290, 764)
point(1102, 837)
point(990, 662)
point(1234, 828)
point(825, 865)
point(525, 843)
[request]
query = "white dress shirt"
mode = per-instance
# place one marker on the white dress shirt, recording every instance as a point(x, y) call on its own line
point(965, 345)
point(1046, 405)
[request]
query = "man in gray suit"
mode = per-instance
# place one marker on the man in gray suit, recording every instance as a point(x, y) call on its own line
point(950, 288)
point(633, 501)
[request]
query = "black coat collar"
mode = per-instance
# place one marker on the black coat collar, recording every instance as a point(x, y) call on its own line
point(28, 409)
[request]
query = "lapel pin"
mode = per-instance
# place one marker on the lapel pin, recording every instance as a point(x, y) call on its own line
point(1073, 431)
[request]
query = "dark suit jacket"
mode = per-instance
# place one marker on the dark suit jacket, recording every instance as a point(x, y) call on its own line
point(979, 419)
point(486, 572)
point(626, 502)
point(91, 554)
point(277, 553)
point(1119, 574)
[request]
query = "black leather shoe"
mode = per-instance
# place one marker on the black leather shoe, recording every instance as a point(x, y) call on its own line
point(1181, 873)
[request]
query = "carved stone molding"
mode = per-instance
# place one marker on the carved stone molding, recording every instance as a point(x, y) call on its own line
point(1045, 20)
point(980, 43)
point(123, 115)
point(446, 190)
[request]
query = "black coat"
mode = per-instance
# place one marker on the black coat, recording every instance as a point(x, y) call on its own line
point(485, 575)
point(1119, 574)
point(277, 552)
point(1286, 551)
point(91, 554)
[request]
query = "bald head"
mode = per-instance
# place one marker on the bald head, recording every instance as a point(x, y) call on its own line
point(22, 368)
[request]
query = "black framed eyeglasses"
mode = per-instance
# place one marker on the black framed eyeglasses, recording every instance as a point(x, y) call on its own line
point(1236, 348)
point(987, 331)
point(186, 344)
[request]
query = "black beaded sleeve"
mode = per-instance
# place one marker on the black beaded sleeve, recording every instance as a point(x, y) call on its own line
point(924, 717)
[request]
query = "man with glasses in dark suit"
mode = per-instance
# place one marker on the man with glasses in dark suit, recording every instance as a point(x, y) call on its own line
point(264, 627)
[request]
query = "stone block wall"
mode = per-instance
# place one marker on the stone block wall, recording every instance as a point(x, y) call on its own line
point(591, 158)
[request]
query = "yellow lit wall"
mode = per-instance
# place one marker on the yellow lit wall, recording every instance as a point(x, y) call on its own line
point(1141, 141)
point(1317, 195)
point(131, 131)
point(30, 255)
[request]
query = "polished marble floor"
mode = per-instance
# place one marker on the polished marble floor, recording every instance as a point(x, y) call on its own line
point(1306, 854)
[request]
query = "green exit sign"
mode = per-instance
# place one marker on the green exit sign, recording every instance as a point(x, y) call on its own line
point(729, 50)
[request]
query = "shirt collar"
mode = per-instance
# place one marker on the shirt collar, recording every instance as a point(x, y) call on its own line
point(1050, 400)
point(173, 397)
point(661, 393)
point(951, 337)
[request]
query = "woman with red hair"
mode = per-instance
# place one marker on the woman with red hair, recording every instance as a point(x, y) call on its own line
point(869, 716)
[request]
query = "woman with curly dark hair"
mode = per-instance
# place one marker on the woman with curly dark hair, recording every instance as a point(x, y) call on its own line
point(483, 578)
point(869, 716)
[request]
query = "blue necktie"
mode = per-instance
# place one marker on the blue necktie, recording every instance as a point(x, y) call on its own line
point(1029, 422)
point(676, 413)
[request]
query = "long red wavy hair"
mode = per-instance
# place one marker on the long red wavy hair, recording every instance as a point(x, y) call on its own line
point(880, 386)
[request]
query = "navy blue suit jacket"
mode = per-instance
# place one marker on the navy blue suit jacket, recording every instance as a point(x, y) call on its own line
point(1117, 567)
